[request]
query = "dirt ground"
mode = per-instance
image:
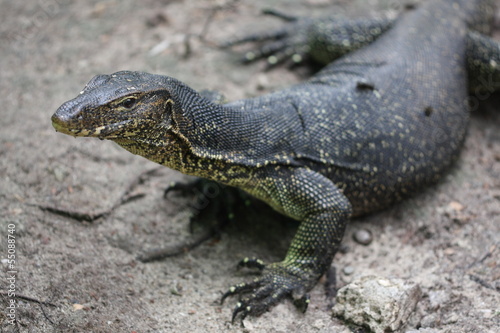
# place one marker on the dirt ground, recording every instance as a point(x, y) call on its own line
point(446, 239)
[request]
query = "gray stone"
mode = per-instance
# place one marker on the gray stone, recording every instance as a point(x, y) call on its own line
point(381, 304)
point(363, 236)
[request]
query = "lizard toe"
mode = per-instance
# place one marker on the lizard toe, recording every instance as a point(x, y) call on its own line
point(241, 288)
point(276, 283)
point(259, 302)
point(252, 263)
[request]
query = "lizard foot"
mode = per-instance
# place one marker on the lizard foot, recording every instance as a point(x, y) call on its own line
point(211, 202)
point(276, 283)
point(186, 188)
point(208, 200)
point(289, 43)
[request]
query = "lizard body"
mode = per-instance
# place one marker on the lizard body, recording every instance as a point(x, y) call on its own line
point(369, 129)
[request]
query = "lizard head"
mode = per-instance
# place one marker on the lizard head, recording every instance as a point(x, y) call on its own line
point(123, 105)
point(155, 116)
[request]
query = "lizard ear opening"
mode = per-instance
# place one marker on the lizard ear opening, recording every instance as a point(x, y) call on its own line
point(168, 116)
point(168, 107)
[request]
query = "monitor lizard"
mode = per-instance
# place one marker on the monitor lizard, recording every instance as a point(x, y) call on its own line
point(375, 125)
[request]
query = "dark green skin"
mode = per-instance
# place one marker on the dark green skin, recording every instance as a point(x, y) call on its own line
point(369, 129)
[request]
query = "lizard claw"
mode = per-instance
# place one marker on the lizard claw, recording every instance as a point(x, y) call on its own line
point(258, 302)
point(244, 312)
point(276, 283)
point(302, 303)
point(287, 43)
point(183, 188)
point(241, 289)
point(252, 263)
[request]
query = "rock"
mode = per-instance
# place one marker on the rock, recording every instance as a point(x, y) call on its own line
point(348, 270)
point(363, 236)
point(381, 304)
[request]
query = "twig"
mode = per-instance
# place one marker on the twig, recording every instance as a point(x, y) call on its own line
point(79, 216)
point(45, 314)
point(28, 299)
point(488, 254)
point(126, 197)
point(481, 282)
point(178, 249)
point(206, 26)
point(211, 16)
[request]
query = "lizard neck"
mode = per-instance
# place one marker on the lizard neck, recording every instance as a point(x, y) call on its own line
point(248, 132)
point(206, 139)
point(199, 138)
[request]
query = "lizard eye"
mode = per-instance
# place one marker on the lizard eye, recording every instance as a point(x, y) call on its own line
point(128, 103)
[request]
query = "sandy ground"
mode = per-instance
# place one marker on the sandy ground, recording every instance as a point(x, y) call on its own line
point(446, 239)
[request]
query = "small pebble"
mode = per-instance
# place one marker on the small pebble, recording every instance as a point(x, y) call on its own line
point(363, 236)
point(348, 270)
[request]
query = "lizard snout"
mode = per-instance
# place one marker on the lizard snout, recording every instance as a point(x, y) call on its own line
point(64, 117)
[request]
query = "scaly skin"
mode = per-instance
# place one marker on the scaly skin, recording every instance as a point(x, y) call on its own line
point(369, 129)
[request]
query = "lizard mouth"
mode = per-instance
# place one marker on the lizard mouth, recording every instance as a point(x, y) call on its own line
point(103, 132)
point(59, 127)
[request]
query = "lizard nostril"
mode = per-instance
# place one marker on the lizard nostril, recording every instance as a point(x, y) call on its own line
point(67, 115)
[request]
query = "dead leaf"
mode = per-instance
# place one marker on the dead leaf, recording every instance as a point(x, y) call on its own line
point(456, 206)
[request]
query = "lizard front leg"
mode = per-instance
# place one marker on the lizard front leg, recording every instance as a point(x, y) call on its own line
point(323, 210)
point(322, 39)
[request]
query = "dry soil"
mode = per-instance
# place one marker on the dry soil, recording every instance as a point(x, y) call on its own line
point(446, 238)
